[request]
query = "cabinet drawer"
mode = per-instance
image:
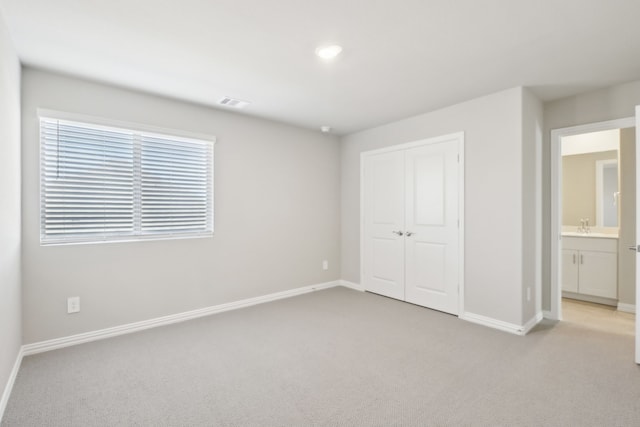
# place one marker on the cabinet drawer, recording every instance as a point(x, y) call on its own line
point(590, 244)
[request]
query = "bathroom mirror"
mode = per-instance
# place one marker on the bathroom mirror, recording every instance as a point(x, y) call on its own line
point(607, 193)
point(590, 179)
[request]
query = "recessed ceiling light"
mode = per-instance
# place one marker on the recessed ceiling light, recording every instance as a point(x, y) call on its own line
point(325, 129)
point(328, 52)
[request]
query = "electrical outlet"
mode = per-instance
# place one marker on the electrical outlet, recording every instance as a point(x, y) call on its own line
point(528, 293)
point(325, 265)
point(73, 305)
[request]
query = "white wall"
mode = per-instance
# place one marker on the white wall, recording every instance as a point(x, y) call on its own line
point(615, 102)
point(532, 125)
point(276, 218)
point(493, 195)
point(10, 317)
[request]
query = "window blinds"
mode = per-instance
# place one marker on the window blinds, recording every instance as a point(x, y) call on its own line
point(100, 183)
point(175, 185)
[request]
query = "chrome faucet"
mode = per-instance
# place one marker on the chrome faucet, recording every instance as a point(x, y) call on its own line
point(584, 226)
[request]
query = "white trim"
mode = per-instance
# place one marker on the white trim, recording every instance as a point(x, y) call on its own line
point(102, 121)
point(362, 219)
point(351, 285)
point(461, 222)
point(546, 314)
point(460, 138)
point(555, 311)
point(637, 236)
point(532, 323)
point(627, 308)
point(414, 144)
point(10, 382)
point(494, 323)
point(42, 346)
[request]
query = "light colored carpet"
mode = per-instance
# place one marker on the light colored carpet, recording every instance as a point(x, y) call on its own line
point(333, 358)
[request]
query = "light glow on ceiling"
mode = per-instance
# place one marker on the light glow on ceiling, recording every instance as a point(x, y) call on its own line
point(328, 52)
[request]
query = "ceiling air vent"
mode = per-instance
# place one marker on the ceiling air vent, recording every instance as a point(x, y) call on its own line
point(232, 102)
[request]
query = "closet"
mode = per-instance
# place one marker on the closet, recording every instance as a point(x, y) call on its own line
point(410, 229)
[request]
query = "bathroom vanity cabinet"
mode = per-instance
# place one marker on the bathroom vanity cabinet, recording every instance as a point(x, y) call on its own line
point(590, 266)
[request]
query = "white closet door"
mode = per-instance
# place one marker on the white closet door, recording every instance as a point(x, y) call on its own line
point(431, 200)
point(383, 245)
point(637, 234)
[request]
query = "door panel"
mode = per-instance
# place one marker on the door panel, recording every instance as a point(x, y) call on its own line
point(431, 220)
point(429, 187)
point(637, 232)
point(383, 214)
point(430, 274)
point(385, 264)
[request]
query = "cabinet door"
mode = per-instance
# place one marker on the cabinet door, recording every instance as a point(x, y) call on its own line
point(598, 274)
point(570, 270)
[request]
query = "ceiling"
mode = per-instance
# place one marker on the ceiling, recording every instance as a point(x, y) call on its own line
point(400, 58)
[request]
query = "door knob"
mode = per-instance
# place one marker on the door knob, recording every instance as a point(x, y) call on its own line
point(634, 248)
point(399, 233)
point(410, 233)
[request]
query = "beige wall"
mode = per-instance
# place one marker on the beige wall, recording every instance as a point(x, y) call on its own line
point(10, 305)
point(614, 102)
point(494, 159)
point(579, 186)
point(627, 234)
point(276, 218)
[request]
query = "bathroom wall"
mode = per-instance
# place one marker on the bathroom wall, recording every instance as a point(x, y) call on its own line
point(627, 234)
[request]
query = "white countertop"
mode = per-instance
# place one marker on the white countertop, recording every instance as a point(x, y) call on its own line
point(596, 235)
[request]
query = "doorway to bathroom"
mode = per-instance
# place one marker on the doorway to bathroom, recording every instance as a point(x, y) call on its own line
point(594, 225)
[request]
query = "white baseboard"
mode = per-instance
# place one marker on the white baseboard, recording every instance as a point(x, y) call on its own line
point(10, 382)
point(495, 324)
point(532, 323)
point(351, 285)
point(100, 334)
point(627, 308)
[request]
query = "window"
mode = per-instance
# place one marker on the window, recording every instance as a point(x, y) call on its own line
point(101, 183)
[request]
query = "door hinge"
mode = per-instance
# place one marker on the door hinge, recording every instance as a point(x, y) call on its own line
point(458, 158)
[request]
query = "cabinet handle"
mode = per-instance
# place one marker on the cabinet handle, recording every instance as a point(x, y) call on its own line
point(574, 258)
point(581, 259)
point(399, 233)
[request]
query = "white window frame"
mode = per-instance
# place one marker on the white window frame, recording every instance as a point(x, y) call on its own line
point(134, 128)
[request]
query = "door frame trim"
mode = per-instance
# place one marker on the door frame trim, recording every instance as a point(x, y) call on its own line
point(555, 311)
point(459, 136)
